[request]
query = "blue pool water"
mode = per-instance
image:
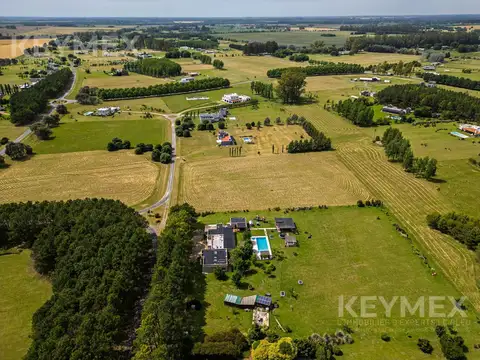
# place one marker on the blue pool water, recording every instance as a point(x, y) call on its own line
point(262, 243)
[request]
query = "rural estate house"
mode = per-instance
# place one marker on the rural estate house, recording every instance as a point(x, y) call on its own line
point(220, 237)
point(238, 223)
point(225, 139)
point(285, 224)
point(215, 117)
point(214, 258)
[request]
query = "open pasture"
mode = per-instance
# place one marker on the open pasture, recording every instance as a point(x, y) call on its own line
point(95, 135)
point(455, 67)
point(366, 58)
point(299, 38)
point(23, 292)
point(66, 30)
point(101, 80)
point(120, 175)
point(10, 49)
point(366, 257)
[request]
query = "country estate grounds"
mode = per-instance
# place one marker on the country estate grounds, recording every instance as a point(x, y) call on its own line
point(352, 252)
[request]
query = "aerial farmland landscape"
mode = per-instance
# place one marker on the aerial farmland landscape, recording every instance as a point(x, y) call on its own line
point(288, 180)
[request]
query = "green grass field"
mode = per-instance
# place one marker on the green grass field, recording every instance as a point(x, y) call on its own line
point(23, 292)
point(94, 135)
point(352, 252)
point(298, 38)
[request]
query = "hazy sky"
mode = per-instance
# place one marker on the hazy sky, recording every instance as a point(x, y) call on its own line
point(214, 8)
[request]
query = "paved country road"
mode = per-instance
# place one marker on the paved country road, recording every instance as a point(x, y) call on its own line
point(27, 132)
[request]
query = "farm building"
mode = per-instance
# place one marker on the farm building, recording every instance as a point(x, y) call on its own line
point(214, 258)
point(220, 237)
point(429, 68)
point(214, 117)
point(471, 129)
point(372, 79)
point(194, 74)
point(107, 111)
point(225, 139)
point(238, 223)
point(430, 84)
point(144, 55)
point(285, 224)
point(248, 301)
point(186, 80)
point(235, 98)
point(394, 110)
point(290, 240)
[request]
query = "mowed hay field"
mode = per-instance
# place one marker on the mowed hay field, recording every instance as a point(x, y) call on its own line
point(120, 175)
point(23, 292)
point(13, 48)
point(268, 181)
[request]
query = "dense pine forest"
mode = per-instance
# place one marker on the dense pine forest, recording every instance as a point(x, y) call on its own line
point(460, 40)
point(450, 104)
point(168, 328)
point(154, 67)
point(27, 104)
point(98, 256)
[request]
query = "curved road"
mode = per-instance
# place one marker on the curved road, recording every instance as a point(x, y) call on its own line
point(27, 132)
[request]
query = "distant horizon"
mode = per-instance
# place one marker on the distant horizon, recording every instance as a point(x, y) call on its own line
point(249, 8)
point(239, 17)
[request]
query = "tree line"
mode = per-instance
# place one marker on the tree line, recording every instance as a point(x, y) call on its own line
point(398, 149)
point(27, 104)
point(154, 67)
point(152, 42)
point(204, 59)
point(357, 111)
point(325, 68)
point(451, 104)
point(318, 141)
point(167, 329)
point(256, 48)
point(462, 228)
point(400, 68)
point(97, 255)
point(262, 89)
point(163, 89)
point(177, 54)
point(451, 80)
point(428, 39)
point(380, 29)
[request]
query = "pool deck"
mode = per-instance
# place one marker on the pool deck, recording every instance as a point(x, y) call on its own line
point(255, 246)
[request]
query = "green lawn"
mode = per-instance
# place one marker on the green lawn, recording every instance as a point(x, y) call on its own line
point(94, 135)
point(352, 252)
point(22, 291)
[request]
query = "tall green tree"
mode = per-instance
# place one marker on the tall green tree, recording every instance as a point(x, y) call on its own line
point(291, 86)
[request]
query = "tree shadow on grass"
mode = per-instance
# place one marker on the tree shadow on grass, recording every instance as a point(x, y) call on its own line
point(437, 181)
point(198, 306)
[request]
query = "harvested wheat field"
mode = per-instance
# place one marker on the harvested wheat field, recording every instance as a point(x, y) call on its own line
point(411, 199)
point(120, 175)
point(12, 48)
point(268, 181)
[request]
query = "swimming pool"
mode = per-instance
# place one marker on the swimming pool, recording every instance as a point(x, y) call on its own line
point(261, 246)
